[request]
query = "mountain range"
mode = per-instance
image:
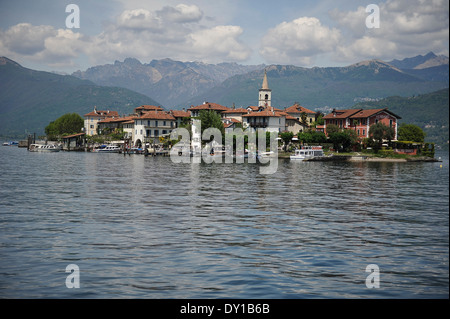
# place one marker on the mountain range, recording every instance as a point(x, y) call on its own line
point(181, 84)
point(168, 81)
point(30, 100)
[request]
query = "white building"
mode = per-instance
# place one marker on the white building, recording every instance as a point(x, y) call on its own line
point(151, 125)
point(92, 118)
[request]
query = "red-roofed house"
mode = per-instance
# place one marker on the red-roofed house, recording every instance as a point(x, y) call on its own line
point(265, 118)
point(92, 118)
point(195, 110)
point(361, 120)
point(151, 125)
point(297, 111)
point(145, 108)
point(114, 123)
point(179, 115)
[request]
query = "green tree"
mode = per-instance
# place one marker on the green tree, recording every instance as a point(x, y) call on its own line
point(211, 119)
point(343, 139)
point(70, 123)
point(411, 132)
point(319, 120)
point(380, 132)
point(304, 118)
point(286, 137)
point(311, 136)
point(332, 128)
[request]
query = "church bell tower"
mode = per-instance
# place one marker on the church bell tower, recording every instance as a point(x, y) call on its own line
point(265, 94)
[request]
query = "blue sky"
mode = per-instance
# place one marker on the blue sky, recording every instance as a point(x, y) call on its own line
point(302, 33)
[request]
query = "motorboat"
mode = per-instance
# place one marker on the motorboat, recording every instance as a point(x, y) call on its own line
point(261, 155)
point(44, 148)
point(108, 149)
point(307, 152)
point(11, 144)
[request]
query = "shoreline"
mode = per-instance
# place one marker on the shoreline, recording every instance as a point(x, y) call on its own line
point(360, 158)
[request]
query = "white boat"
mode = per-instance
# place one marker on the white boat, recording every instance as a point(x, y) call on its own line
point(44, 148)
point(307, 152)
point(270, 154)
point(10, 143)
point(108, 149)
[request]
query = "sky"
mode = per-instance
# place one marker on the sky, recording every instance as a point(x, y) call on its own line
point(41, 35)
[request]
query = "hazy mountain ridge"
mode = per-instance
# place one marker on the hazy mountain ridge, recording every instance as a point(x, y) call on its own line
point(168, 81)
point(420, 61)
point(30, 99)
point(181, 84)
point(327, 86)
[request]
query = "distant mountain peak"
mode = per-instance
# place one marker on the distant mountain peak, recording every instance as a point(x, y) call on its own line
point(4, 60)
point(420, 61)
point(375, 64)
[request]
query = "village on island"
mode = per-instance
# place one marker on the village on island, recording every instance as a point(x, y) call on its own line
point(346, 134)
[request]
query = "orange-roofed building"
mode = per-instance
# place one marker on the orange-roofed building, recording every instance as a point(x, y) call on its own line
point(151, 125)
point(297, 111)
point(180, 116)
point(146, 108)
point(195, 110)
point(92, 118)
point(114, 123)
point(361, 120)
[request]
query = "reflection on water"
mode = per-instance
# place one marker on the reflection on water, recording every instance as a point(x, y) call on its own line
point(147, 228)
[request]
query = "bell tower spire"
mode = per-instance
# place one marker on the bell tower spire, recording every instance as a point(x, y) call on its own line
point(265, 94)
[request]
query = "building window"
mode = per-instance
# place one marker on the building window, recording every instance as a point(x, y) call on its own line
point(156, 124)
point(164, 132)
point(156, 132)
point(92, 126)
point(358, 132)
point(164, 123)
point(149, 133)
point(376, 121)
point(390, 123)
point(364, 132)
point(148, 123)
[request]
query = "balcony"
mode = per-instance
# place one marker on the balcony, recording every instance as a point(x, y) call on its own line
point(258, 124)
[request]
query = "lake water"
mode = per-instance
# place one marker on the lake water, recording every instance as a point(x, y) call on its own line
point(144, 227)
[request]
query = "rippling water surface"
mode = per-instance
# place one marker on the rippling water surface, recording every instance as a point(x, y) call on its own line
point(143, 227)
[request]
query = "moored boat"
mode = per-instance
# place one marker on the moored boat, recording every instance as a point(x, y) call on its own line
point(44, 148)
point(107, 149)
point(307, 152)
point(11, 144)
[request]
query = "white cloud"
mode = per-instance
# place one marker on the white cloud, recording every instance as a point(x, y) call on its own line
point(25, 38)
point(173, 31)
point(298, 41)
point(181, 13)
point(406, 28)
